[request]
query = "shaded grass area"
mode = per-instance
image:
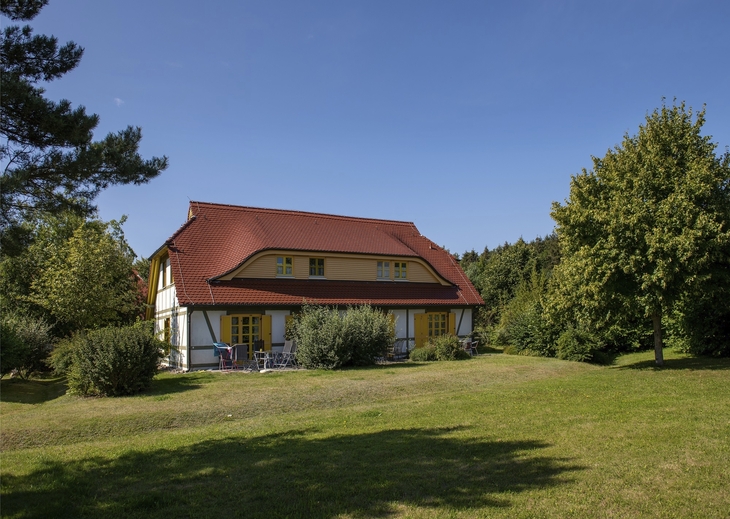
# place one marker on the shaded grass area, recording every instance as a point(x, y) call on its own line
point(34, 391)
point(495, 436)
point(294, 475)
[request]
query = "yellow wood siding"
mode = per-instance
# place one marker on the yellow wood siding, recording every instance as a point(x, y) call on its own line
point(417, 273)
point(341, 267)
point(301, 266)
point(261, 267)
point(356, 269)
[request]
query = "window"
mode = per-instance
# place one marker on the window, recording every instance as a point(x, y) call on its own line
point(399, 270)
point(316, 267)
point(284, 266)
point(436, 324)
point(383, 269)
point(165, 274)
point(167, 331)
point(245, 329)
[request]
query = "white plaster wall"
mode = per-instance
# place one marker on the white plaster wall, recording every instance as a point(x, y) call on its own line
point(200, 335)
point(278, 324)
point(400, 323)
point(166, 299)
point(465, 328)
point(202, 357)
point(178, 338)
point(178, 334)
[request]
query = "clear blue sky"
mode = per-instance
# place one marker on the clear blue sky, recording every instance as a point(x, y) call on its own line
point(467, 118)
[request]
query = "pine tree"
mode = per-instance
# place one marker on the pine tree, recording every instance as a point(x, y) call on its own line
point(49, 158)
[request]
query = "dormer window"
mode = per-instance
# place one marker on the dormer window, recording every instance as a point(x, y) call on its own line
point(284, 266)
point(399, 270)
point(383, 269)
point(316, 267)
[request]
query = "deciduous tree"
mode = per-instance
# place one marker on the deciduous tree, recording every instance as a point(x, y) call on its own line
point(650, 221)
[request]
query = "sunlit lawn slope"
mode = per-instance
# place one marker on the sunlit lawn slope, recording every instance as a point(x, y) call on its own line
point(495, 436)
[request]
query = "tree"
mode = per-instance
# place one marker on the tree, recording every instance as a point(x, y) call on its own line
point(650, 221)
point(76, 273)
point(50, 160)
point(89, 282)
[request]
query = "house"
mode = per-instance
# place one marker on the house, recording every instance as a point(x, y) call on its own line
point(234, 274)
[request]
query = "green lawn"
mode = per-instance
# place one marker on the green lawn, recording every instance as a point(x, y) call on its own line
point(495, 436)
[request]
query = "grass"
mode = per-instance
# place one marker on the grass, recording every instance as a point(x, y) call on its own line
point(495, 436)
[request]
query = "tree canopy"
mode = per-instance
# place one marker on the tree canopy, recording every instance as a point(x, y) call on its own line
point(647, 226)
point(49, 158)
point(76, 274)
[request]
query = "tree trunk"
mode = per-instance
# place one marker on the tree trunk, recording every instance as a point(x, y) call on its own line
point(656, 319)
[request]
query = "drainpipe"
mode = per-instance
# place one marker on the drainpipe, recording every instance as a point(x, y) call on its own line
point(188, 356)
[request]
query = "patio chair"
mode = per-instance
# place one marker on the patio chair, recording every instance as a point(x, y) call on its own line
point(225, 356)
point(470, 346)
point(285, 359)
point(400, 349)
point(242, 359)
point(474, 345)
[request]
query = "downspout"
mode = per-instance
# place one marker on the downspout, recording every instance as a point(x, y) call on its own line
point(408, 337)
point(190, 352)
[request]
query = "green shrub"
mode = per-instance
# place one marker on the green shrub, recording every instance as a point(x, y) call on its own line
point(423, 354)
point(510, 350)
point(576, 345)
point(367, 333)
point(327, 339)
point(25, 343)
point(114, 361)
point(320, 338)
point(444, 347)
point(11, 349)
point(61, 357)
point(448, 347)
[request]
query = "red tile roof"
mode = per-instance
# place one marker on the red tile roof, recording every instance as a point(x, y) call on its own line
point(219, 238)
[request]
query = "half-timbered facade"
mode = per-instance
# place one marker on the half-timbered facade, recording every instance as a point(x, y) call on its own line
point(234, 274)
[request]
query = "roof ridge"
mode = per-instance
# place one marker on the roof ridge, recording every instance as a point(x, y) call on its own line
point(302, 213)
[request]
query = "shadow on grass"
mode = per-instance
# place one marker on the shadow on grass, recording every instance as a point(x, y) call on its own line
point(290, 475)
point(33, 391)
point(690, 363)
point(177, 383)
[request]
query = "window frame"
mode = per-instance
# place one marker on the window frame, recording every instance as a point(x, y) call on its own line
point(400, 270)
point(318, 265)
point(383, 270)
point(441, 324)
point(283, 266)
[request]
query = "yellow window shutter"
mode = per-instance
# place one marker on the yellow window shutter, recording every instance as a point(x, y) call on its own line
point(420, 331)
point(225, 335)
point(266, 331)
point(452, 324)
